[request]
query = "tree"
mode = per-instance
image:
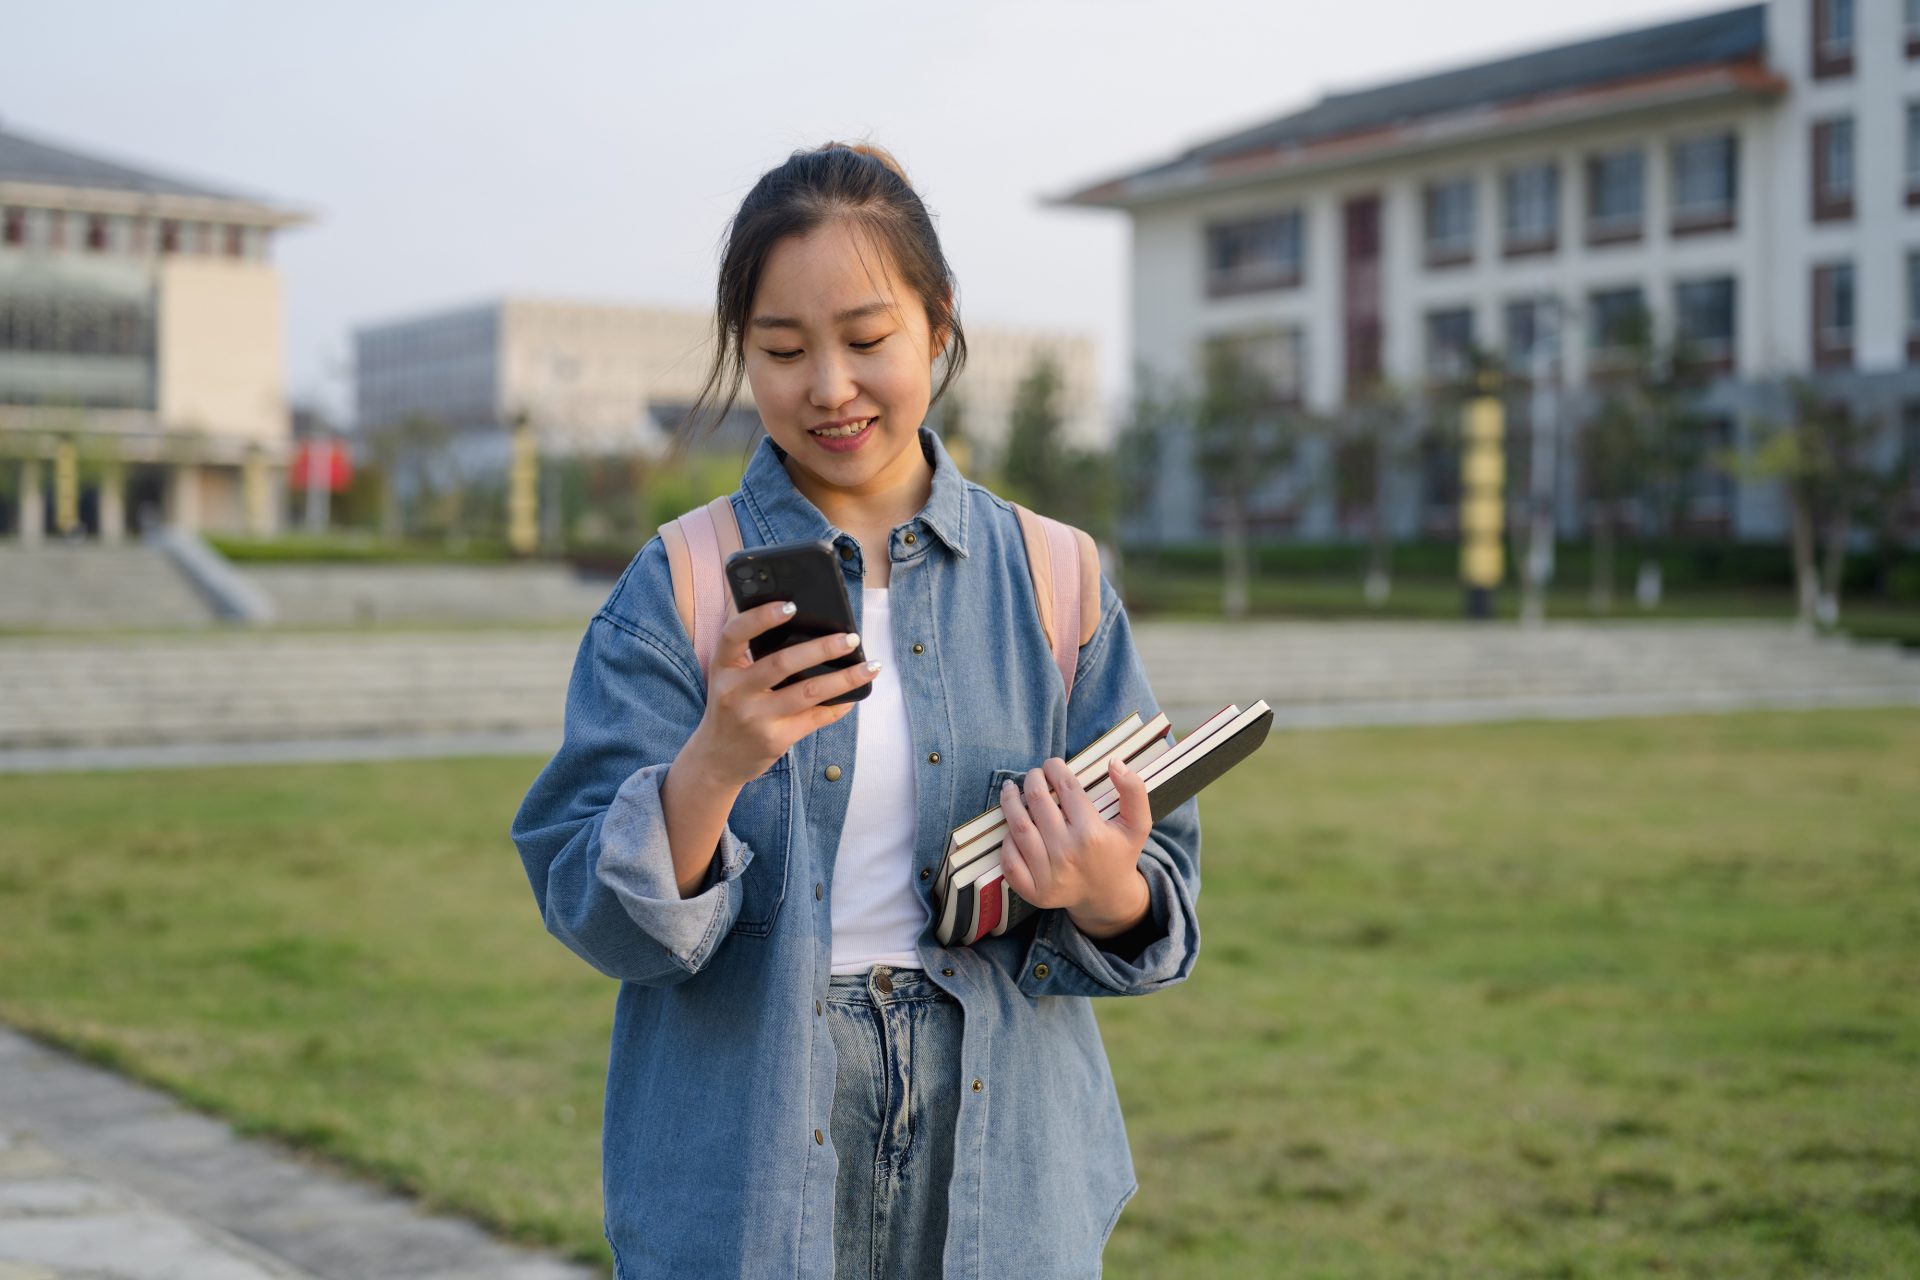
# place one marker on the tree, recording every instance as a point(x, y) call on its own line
point(1672, 444)
point(1042, 470)
point(1035, 461)
point(1243, 437)
point(1644, 445)
point(1820, 459)
point(1371, 443)
point(1140, 452)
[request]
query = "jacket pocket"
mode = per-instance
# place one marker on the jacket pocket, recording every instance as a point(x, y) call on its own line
point(762, 818)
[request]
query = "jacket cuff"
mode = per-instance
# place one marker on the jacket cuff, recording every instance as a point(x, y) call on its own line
point(636, 865)
point(1076, 965)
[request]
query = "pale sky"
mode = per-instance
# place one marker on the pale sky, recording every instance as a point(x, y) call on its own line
point(452, 152)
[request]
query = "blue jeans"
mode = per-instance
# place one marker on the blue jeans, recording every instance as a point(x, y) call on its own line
point(895, 1099)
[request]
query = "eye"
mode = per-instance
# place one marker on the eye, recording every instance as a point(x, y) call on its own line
point(868, 346)
point(781, 355)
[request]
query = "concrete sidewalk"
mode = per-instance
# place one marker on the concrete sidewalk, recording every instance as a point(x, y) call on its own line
point(103, 1179)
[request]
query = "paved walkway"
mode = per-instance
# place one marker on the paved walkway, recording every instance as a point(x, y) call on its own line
point(103, 1179)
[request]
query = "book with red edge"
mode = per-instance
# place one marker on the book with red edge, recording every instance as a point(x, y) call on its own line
point(972, 898)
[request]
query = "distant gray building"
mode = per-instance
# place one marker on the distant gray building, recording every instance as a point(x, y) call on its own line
point(598, 378)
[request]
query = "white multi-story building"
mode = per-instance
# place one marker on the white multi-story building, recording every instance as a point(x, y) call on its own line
point(1748, 179)
point(140, 361)
point(595, 378)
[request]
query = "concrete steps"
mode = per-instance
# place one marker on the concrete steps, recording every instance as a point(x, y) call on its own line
point(86, 586)
point(227, 687)
point(307, 595)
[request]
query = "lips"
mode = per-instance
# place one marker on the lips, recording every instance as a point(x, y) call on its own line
point(842, 430)
point(843, 437)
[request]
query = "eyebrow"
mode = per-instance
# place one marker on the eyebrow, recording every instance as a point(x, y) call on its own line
point(860, 312)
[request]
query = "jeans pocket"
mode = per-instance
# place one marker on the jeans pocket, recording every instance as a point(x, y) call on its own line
point(762, 818)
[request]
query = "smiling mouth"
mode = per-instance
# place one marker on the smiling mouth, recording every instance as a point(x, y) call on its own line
point(844, 432)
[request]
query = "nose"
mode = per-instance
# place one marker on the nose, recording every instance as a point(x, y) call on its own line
point(832, 383)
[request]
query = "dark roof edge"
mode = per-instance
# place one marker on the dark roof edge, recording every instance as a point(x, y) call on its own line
point(1346, 111)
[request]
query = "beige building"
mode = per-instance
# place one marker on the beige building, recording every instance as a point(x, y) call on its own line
point(140, 350)
point(602, 378)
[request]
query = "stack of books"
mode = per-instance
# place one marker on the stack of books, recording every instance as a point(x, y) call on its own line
point(970, 895)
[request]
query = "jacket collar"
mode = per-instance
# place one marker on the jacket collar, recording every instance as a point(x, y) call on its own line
point(786, 515)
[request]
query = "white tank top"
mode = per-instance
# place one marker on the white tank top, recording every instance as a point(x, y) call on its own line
point(877, 915)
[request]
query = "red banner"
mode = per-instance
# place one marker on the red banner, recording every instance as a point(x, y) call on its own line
point(334, 463)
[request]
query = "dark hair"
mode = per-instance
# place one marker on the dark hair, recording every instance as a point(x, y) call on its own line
point(838, 180)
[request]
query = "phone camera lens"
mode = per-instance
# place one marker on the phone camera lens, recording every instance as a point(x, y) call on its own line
point(764, 575)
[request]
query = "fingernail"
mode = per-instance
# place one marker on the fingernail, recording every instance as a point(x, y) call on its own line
point(874, 665)
point(853, 639)
point(1007, 786)
point(789, 608)
point(1120, 766)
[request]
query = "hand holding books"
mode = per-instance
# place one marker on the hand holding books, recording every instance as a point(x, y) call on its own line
point(1058, 851)
point(972, 897)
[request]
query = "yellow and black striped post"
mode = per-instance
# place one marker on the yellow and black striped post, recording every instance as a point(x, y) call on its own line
point(66, 488)
point(523, 490)
point(1483, 476)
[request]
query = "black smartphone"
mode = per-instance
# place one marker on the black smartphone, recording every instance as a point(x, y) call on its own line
point(807, 574)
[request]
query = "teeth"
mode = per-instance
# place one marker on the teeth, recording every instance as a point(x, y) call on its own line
point(841, 433)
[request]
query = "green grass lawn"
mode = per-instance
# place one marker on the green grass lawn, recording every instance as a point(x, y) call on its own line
point(1538, 1000)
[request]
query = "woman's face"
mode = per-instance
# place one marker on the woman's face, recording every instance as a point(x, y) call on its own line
point(839, 355)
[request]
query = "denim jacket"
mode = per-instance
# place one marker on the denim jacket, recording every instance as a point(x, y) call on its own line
point(717, 1157)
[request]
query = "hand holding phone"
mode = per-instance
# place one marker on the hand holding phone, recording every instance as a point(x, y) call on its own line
point(805, 574)
point(777, 676)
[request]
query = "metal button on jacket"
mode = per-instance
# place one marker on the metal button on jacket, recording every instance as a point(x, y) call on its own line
point(833, 773)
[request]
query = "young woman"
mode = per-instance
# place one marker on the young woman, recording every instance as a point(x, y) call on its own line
point(803, 1083)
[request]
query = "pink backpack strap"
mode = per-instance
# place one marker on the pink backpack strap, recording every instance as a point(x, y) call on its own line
point(698, 544)
point(1065, 566)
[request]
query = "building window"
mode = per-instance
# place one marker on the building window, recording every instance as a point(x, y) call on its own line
point(1704, 320)
point(1274, 356)
point(1833, 169)
point(1832, 38)
point(1833, 316)
point(1449, 344)
point(56, 229)
point(236, 242)
point(1913, 28)
point(96, 234)
point(1531, 330)
point(1449, 207)
point(1255, 254)
point(1913, 153)
point(1616, 196)
point(1704, 184)
point(1531, 219)
point(1913, 308)
point(1619, 318)
point(169, 237)
point(13, 226)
